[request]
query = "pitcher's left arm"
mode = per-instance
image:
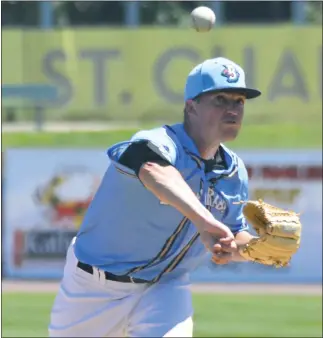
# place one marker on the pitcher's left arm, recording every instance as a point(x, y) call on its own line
point(278, 235)
point(240, 228)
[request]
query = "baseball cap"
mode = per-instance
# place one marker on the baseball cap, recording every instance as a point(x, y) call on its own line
point(219, 74)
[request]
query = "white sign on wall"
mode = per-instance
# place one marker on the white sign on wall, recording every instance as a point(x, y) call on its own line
point(46, 194)
point(291, 180)
point(48, 190)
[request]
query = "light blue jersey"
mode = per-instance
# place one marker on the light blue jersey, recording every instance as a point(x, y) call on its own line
point(127, 230)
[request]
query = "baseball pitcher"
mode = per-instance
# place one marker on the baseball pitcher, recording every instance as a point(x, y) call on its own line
point(171, 198)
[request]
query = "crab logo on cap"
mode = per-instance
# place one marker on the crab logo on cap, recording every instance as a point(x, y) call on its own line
point(231, 73)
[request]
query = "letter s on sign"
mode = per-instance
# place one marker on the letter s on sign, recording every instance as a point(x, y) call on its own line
point(65, 90)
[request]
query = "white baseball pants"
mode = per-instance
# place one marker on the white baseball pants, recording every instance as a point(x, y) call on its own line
point(90, 306)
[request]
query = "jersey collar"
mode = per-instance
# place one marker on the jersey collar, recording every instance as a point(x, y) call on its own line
point(186, 142)
point(189, 145)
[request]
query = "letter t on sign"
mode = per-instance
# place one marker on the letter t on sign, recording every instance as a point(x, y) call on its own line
point(99, 57)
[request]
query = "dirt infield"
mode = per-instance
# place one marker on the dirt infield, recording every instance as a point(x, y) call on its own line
point(43, 286)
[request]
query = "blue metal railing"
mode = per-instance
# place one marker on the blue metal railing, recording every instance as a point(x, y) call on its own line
point(39, 96)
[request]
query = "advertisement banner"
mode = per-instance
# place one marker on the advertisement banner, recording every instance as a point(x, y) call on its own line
point(117, 75)
point(291, 180)
point(46, 194)
point(48, 190)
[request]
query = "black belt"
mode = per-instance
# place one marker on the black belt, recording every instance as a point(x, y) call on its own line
point(110, 276)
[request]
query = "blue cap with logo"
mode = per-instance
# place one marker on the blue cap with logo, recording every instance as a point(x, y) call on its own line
point(217, 75)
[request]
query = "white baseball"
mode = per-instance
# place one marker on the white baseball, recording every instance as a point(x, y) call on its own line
point(203, 18)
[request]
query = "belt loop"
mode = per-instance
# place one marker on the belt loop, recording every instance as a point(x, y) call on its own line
point(96, 273)
point(101, 277)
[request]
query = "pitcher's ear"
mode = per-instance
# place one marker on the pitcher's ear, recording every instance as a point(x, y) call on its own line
point(189, 106)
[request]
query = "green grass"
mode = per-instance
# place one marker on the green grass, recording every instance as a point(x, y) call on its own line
point(27, 315)
point(261, 136)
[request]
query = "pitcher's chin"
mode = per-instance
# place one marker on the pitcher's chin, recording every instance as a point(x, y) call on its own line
point(230, 132)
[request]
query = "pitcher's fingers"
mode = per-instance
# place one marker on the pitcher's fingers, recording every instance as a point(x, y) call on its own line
point(223, 258)
point(223, 254)
point(226, 240)
point(217, 247)
point(229, 247)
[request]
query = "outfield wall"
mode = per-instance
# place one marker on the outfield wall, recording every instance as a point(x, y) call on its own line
point(140, 74)
point(48, 190)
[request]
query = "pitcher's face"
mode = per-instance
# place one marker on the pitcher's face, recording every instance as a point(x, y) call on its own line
point(217, 115)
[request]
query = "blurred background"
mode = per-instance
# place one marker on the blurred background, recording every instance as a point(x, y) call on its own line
point(78, 76)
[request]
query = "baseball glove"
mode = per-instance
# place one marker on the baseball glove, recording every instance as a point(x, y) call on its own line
point(279, 234)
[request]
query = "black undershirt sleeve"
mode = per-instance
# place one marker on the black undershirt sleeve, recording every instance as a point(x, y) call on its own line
point(139, 153)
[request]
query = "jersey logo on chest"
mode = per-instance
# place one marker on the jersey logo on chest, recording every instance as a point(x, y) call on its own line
point(216, 201)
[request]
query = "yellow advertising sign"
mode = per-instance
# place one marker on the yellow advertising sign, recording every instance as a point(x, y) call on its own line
point(141, 74)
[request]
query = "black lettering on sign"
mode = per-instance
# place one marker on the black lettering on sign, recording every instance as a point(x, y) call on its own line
point(288, 66)
point(99, 58)
point(65, 89)
point(159, 70)
point(249, 66)
point(47, 244)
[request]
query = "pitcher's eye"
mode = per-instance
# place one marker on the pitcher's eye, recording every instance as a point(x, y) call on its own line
point(220, 100)
point(240, 101)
